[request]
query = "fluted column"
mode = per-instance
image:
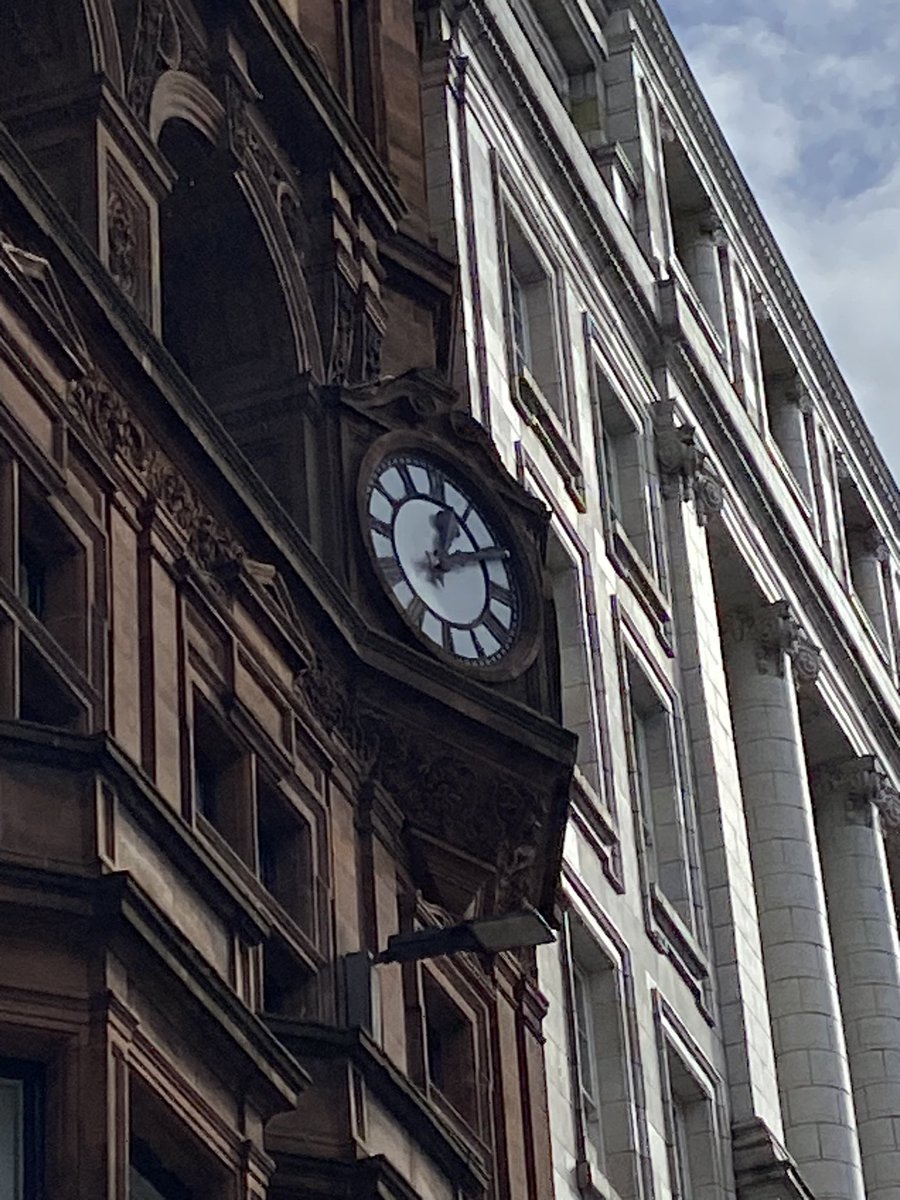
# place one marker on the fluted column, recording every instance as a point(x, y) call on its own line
point(853, 798)
point(868, 553)
point(810, 1052)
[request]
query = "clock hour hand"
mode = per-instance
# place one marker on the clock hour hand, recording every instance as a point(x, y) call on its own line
point(460, 558)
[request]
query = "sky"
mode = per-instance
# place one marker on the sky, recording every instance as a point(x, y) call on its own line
point(807, 93)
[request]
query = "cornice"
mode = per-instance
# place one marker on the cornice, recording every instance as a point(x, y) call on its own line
point(678, 75)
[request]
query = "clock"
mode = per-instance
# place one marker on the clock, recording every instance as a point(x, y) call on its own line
point(442, 558)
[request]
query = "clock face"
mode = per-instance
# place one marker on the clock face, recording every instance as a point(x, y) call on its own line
point(440, 560)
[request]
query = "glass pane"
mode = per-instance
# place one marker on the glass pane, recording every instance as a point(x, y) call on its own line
point(11, 1139)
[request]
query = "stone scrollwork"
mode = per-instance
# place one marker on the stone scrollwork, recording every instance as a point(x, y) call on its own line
point(102, 413)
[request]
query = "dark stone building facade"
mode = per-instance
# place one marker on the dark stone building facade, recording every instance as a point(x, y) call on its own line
point(237, 750)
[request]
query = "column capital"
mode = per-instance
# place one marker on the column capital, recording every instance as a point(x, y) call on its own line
point(777, 636)
point(859, 782)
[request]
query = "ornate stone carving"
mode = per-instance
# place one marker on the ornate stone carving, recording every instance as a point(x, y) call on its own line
point(872, 543)
point(157, 44)
point(128, 237)
point(487, 814)
point(683, 466)
point(778, 636)
point(104, 416)
point(122, 242)
point(861, 782)
point(342, 331)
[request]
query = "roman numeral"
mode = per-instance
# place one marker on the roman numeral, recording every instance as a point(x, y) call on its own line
point(415, 612)
point(494, 627)
point(391, 570)
point(447, 636)
point(378, 526)
point(479, 649)
point(409, 486)
point(501, 593)
point(435, 485)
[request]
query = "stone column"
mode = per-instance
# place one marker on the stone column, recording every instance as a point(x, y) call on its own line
point(810, 1051)
point(788, 405)
point(848, 797)
point(692, 497)
point(868, 552)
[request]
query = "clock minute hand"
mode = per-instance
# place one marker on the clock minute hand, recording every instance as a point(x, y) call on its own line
point(446, 524)
point(460, 558)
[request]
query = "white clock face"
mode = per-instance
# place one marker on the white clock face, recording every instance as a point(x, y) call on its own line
point(440, 559)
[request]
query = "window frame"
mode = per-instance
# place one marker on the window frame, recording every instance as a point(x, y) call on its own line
point(31, 1078)
point(683, 941)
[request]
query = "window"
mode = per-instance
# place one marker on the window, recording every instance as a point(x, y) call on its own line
point(44, 636)
point(449, 1050)
point(533, 319)
point(693, 1158)
point(623, 471)
point(21, 1128)
point(52, 578)
point(601, 1060)
point(284, 842)
point(222, 781)
point(166, 1161)
point(661, 798)
point(578, 703)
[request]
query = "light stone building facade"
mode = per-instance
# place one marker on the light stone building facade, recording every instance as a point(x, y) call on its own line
point(725, 997)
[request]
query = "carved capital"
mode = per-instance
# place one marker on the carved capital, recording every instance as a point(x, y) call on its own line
point(777, 636)
point(872, 543)
point(859, 783)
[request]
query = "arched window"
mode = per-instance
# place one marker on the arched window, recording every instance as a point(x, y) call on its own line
point(224, 313)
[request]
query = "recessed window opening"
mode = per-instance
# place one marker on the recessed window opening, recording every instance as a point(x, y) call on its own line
point(52, 576)
point(43, 696)
point(867, 559)
point(449, 1050)
point(692, 1132)
point(533, 318)
point(289, 989)
point(660, 792)
point(21, 1130)
point(221, 784)
point(576, 669)
point(784, 400)
point(602, 1059)
point(623, 471)
point(695, 232)
point(284, 842)
point(166, 1162)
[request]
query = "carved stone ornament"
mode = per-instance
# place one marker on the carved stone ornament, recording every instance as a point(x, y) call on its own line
point(861, 782)
point(103, 415)
point(157, 45)
point(683, 466)
point(487, 814)
point(122, 238)
point(777, 636)
point(872, 543)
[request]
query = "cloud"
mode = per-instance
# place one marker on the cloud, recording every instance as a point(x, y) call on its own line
point(809, 100)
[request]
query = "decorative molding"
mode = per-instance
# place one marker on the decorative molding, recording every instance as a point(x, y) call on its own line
point(128, 238)
point(103, 415)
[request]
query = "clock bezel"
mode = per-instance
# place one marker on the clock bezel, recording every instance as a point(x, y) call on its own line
point(523, 651)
